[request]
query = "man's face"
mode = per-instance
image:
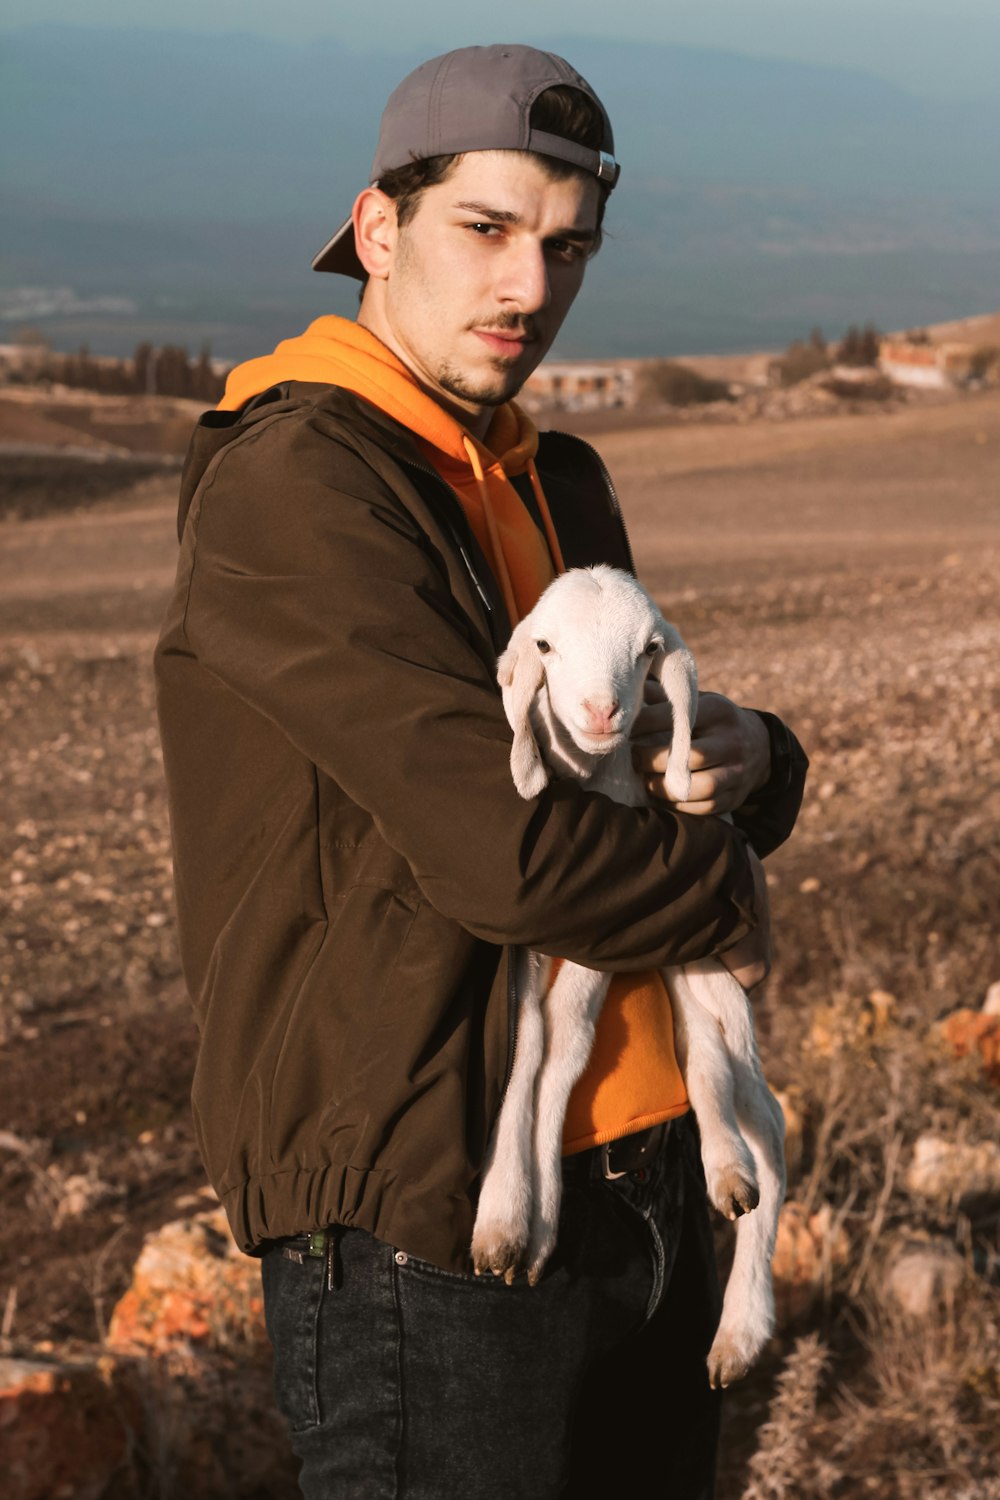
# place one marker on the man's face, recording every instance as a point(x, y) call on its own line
point(483, 275)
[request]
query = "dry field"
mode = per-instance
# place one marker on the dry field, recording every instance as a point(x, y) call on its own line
point(841, 571)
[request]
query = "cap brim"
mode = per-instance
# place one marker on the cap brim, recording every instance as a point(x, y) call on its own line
point(339, 254)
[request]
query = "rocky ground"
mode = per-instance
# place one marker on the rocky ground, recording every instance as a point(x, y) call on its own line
point(843, 573)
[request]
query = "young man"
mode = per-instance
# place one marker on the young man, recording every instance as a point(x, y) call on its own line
point(361, 525)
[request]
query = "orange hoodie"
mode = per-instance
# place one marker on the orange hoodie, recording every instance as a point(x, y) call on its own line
point(632, 1079)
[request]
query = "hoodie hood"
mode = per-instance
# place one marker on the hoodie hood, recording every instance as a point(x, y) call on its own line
point(335, 351)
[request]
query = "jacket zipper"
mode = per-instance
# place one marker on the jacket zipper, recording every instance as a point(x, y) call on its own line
point(512, 951)
point(491, 615)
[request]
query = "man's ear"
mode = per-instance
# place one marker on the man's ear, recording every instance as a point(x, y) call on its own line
point(375, 231)
point(675, 669)
point(520, 674)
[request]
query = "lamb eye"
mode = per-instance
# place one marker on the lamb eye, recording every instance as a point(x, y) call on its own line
point(653, 647)
point(543, 647)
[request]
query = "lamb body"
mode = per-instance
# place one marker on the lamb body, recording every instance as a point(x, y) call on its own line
point(573, 679)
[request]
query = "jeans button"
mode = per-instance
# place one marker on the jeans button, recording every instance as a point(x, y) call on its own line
point(401, 1257)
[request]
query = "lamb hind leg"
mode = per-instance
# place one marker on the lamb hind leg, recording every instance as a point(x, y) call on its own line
point(748, 1310)
point(730, 1173)
point(571, 1010)
point(747, 1320)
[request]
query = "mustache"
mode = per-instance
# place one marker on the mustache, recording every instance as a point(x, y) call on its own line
point(511, 322)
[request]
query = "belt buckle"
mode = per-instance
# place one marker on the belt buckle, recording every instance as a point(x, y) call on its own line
point(606, 1168)
point(637, 1152)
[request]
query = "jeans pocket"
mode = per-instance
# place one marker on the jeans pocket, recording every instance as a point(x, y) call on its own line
point(293, 1299)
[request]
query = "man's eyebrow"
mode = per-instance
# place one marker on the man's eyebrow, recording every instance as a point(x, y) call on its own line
point(507, 216)
point(495, 215)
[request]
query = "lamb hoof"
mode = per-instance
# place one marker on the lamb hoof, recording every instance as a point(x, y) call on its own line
point(536, 1269)
point(733, 1192)
point(726, 1362)
point(504, 1259)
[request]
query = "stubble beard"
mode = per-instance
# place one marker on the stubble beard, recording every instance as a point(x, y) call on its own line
point(486, 393)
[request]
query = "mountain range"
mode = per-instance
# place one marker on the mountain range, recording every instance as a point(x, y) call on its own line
point(175, 187)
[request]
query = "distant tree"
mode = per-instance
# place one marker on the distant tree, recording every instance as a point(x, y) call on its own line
point(859, 346)
point(207, 384)
point(847, 349)
point(801, 360)
point(145, 369)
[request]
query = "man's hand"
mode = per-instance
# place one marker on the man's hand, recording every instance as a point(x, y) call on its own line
point(750, 960)
point(730, 751)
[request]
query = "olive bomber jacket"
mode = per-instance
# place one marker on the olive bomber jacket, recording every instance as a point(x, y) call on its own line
point(352, 863)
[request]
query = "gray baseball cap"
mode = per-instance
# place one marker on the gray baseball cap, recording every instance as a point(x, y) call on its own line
point(474, 99)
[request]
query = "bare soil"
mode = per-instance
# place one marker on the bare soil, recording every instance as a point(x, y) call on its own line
point(840, 572)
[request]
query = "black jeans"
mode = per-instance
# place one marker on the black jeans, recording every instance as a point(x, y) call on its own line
point(404, 1382)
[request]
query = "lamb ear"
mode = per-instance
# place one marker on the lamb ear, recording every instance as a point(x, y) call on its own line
point(678, 675)
point(519, 673)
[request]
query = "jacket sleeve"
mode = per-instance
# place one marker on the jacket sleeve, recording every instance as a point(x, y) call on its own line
point(317, 598)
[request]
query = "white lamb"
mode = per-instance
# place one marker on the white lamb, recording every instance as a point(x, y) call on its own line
point(572, 678)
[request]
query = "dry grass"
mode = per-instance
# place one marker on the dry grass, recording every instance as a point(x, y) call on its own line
point(841, 572)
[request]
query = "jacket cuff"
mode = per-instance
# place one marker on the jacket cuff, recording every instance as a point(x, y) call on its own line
point(769, 817)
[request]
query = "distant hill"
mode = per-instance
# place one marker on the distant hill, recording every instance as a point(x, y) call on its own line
point(197, 175)
point(983, 330)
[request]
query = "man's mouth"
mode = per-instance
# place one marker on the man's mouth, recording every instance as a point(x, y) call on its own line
point(510, 343)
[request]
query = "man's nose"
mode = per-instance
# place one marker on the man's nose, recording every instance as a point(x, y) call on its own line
point(525, 278)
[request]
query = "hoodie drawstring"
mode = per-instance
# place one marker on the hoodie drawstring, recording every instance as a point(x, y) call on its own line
point(499, 560)
point(543, 506)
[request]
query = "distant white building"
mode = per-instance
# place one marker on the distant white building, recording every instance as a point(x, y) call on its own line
point(572, 385)
point(937, 367)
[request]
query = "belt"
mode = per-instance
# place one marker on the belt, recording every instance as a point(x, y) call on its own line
point(630, 1154)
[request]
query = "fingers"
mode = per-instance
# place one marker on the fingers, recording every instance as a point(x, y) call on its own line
point(705, 797)
point(716, 789)
point(707, 751)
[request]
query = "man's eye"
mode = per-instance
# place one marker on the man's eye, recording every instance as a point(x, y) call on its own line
point(566, 249)
point(484, 229)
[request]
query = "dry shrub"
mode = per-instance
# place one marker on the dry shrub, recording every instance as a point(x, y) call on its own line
point(877, 388)
point(802, 359)
point(924, 1421)
point(786, 1466)
point(666, 380)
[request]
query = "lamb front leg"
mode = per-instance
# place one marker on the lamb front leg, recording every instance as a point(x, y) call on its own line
point(503, 1218)
point(571, 1009)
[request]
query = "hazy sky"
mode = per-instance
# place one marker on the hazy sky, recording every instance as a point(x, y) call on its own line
point(945, 48)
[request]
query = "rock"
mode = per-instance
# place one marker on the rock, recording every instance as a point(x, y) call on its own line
point(968, 1031)
point(923, 1274)
point(808, 1248)
point(190, 1287)
point(954, 1170)
point(65, 1429)
point(847, 1023)
point(79, 1194)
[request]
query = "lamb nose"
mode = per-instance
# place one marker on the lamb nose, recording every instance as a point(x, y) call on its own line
point(599, 715)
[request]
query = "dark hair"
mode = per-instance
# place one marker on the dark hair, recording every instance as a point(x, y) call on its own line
point(562, 110)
